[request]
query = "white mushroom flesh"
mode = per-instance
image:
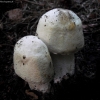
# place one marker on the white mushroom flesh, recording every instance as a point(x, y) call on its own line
point(61, 30)
point(32, 62)
point(64, 66)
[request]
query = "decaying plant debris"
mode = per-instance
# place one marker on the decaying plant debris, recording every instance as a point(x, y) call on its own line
point(84, 84)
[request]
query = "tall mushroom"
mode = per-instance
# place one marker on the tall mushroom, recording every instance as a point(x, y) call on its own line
point(32, 62)
point(61, 30)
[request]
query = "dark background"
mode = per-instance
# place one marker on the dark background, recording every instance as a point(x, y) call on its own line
point(84, 84)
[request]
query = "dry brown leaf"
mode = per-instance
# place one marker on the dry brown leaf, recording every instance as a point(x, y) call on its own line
point(15, 14)
point(33, 95)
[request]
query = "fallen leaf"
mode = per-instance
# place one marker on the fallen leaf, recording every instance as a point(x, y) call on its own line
point(15, 14)
point(33, 95)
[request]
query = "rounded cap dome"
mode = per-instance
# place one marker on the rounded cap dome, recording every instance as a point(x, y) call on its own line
point(33, 63)
point(61, 30)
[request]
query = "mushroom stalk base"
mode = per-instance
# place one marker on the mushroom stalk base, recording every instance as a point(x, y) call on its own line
point(45, 88)
point(64, 66)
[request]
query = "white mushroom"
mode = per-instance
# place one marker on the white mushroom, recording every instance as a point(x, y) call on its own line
point(61, 30)
point(64, 66)
point(32, 62)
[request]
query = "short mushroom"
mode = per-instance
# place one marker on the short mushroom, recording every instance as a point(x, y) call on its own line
point(32, 62)
point(61, 30)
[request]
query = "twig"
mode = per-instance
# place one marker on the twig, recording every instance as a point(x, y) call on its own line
point(40, 4)
point(6, 45)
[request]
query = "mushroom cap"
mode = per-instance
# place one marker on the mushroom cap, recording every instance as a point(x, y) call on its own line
point(32, 62)
point(61, 30)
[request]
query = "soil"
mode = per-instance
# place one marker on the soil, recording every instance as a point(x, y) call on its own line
point(84, 84)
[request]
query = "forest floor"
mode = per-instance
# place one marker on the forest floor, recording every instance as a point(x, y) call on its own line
point(84, 84)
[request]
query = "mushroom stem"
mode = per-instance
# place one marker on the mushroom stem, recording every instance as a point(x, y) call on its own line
point(40, 87)
point(64, 65)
